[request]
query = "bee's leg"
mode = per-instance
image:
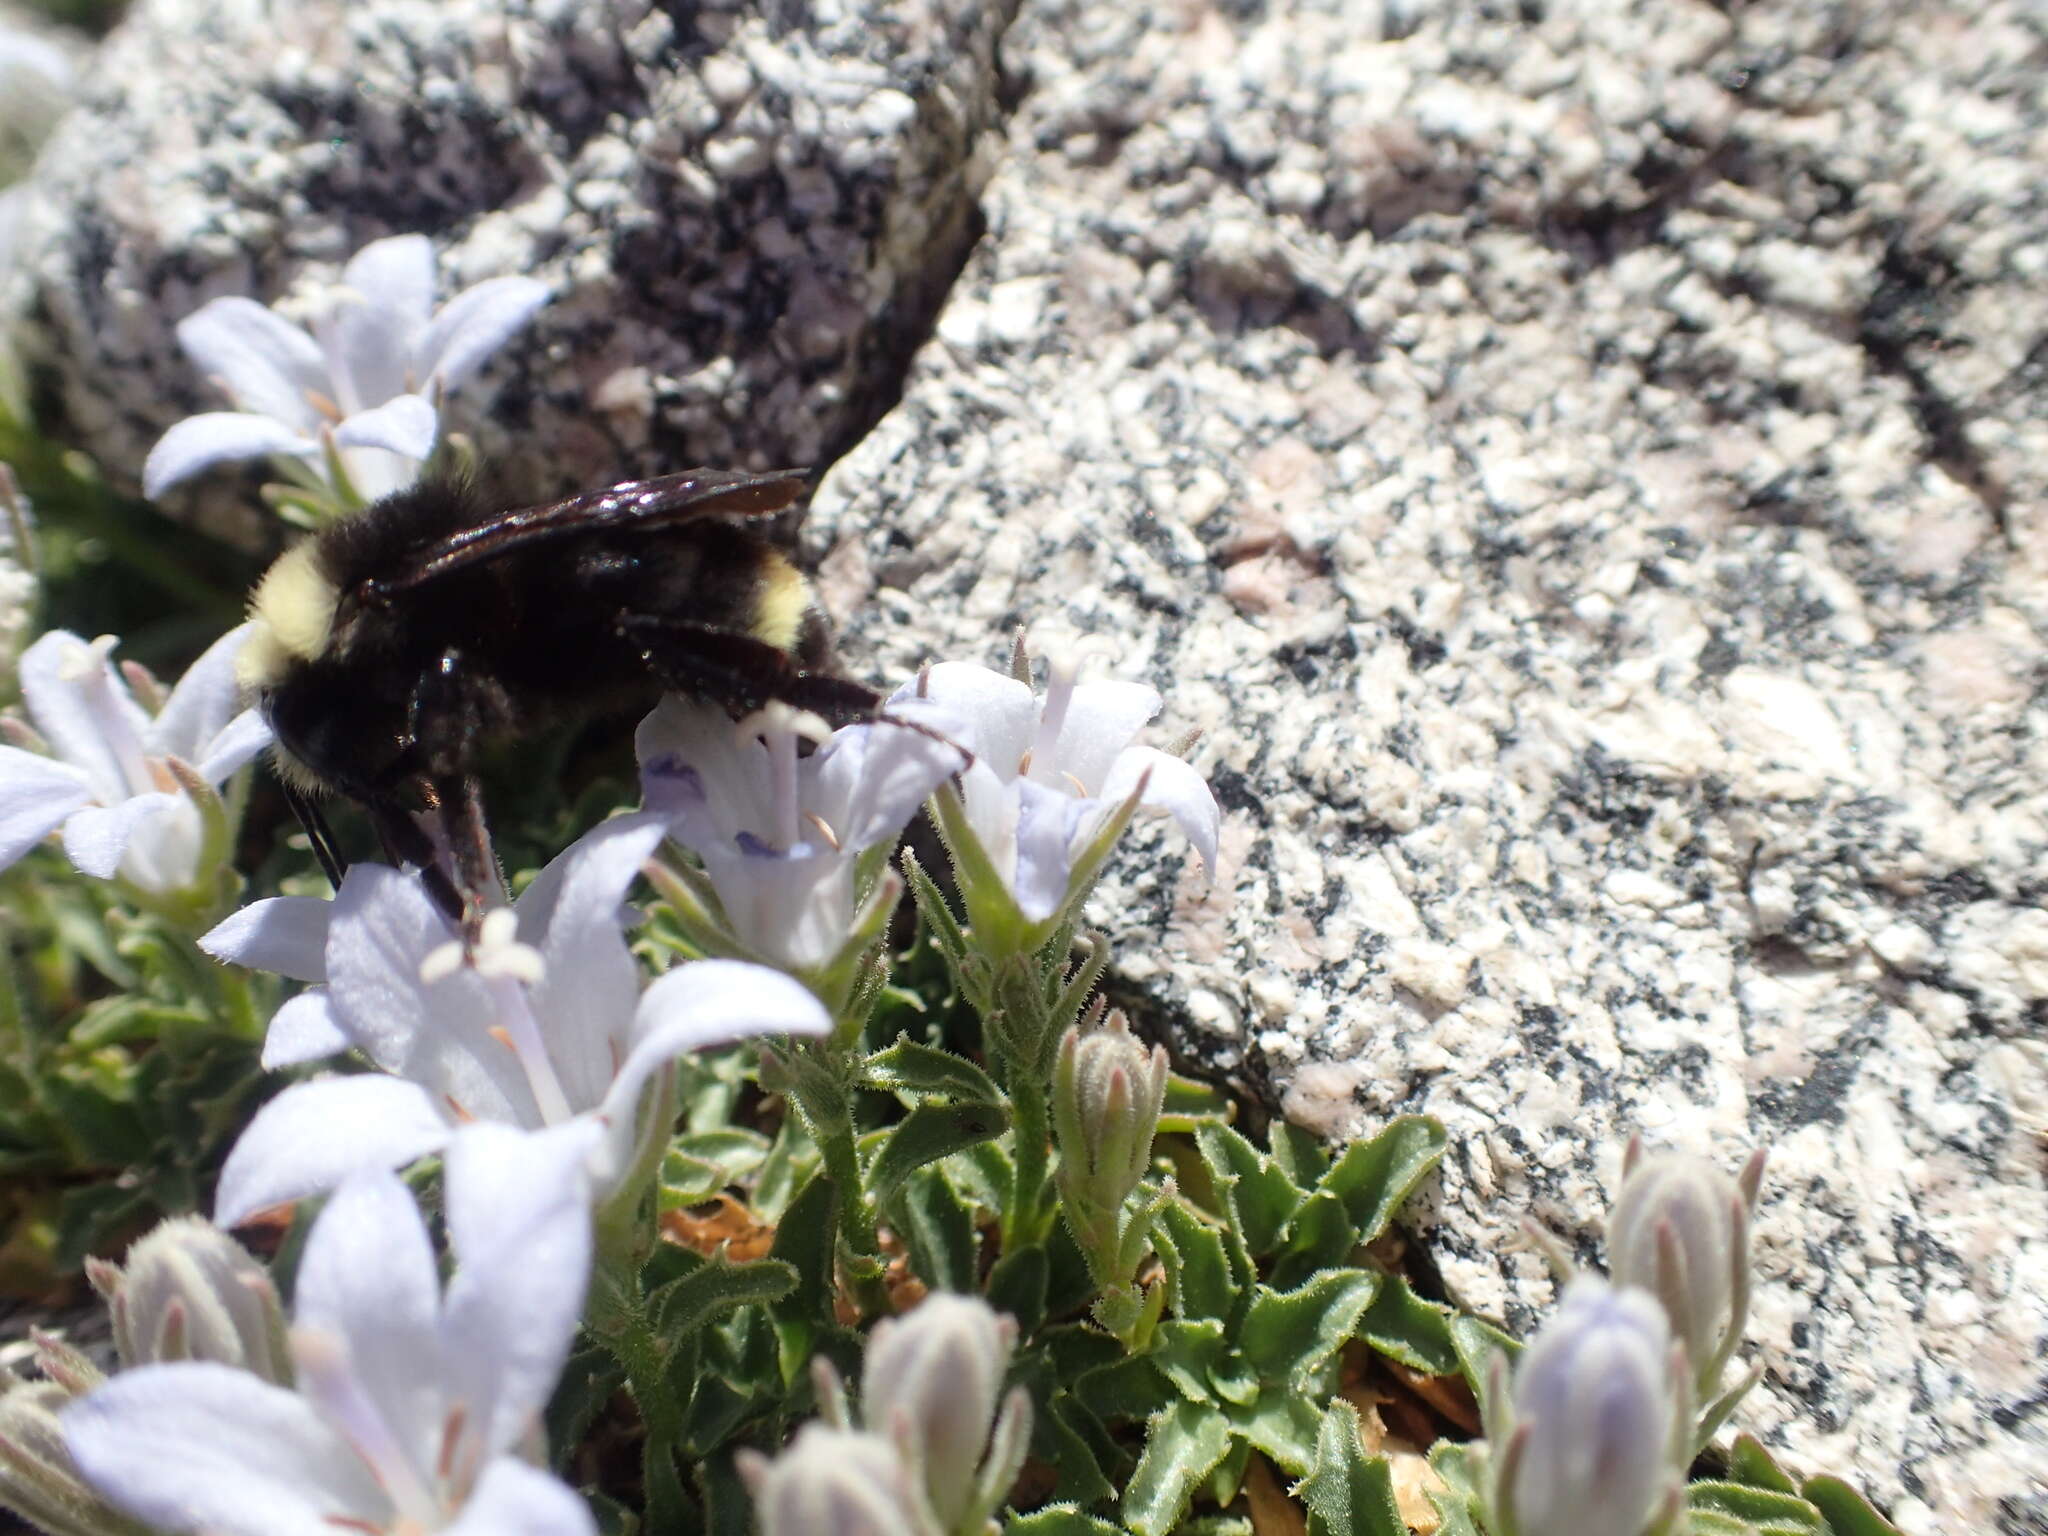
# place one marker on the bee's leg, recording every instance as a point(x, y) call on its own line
point(742, 673)
point(318, 833)
point(407, 843)
point(482, 883)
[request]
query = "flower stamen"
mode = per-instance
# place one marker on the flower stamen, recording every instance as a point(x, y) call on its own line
point(824, 830)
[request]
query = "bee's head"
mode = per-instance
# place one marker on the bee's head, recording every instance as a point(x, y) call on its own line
point(337, 731)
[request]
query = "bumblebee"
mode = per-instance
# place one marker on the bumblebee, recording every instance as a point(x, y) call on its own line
point(396, 646)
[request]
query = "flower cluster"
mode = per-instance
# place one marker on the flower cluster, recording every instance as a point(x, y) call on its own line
point(1592, 1431)
point(545, 1026)
point(407, 1409)
point(350, 408)
point(133, 788)
point(942, 1443)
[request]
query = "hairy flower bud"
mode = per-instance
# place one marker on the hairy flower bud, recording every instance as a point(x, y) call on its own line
point(1107, 1091)
point(191, 1292)
point(931, 1381)
point(38, 1479)
point(834, 1482)
point(1595, 1437)
point(1680, 1230)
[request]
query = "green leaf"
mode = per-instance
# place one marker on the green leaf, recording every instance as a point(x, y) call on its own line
point(1190, 1103)
point(1191, 1355)
point(1476, 1343)
point(1127, 1391)
point(1460, 1467)
point(1374, 1178)
point(1321, 1236)
point(1757, 1510)
point(588, 1381)
point(1404, 1327)
point(1283, 1424)
point(1259, 1198)
point(707, 1294)
point(1017, 1286)
point(804, 1241)
point(1287, 1334)
point(1059, 1520)
point(910, 1068)
point(1751, 1465)
point(1065, 1434)
point(1347, 1492)
point(1227, 1475)
point(1182, 1444)
point(697, 1166)
point(1846, 1511)
point(1197, 1272)
point(1300, 1154)
point(938, 1231)
point(929, 1132)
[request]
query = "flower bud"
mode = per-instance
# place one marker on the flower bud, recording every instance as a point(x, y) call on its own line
point(1595, 1438)
point(191, 1292)
point(1680, 1230)
point(931, 1382)
point(1107, 1091)
point(834, 1482)
point(38, 1479)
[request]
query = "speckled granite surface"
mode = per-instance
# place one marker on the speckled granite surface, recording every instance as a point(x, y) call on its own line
point(747, 216)
point(1584, 479)
point(1581, 465)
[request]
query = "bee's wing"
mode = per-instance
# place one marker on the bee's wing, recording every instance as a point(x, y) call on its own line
point(634, 505)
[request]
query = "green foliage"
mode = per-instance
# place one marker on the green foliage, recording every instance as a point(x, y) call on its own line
point(127, 1067)
point(1346, 1492)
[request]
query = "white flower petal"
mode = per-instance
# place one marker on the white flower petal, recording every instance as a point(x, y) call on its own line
point(313, 1135)
point(1171, 786)
point(590, 983)
point(707, 1003)
point(1047, 822)
point(406, 424)
point(199, 1446)
point(519, 1221)
point(239, 741)
point(397, 274)
point(98, 839)
point(369, 1283)
point(696, 770)
point(217, 437)
point(284, 934)
point(1100, 721)
point(513, 1499)
point(378, 318)
point(794, 908)
point(303, 1030)
point(998, 715)
point(36, 795)
point(473, 325)
point(266, 364)
point(205, 699)
point(85, 712)
point(378, 472)
point(869, 780)
point(439, 1036)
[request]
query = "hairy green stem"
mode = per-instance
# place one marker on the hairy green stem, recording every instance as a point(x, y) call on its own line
point(1026, 1220)
point(616, 1315)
